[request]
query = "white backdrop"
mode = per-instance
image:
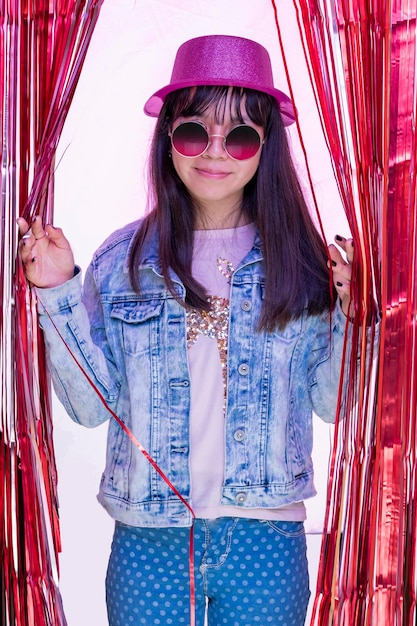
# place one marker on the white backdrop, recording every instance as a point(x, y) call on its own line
point(101, 185)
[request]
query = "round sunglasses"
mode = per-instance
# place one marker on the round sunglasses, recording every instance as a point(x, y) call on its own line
point(191, 139)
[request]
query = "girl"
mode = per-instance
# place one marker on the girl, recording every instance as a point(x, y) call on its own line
point(210, 329)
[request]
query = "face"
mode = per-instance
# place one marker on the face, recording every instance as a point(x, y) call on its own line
point(214, 179)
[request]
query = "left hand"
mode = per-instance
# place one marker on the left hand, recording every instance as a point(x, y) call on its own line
point(342, 271)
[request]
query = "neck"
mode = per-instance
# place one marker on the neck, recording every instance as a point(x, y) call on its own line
point(219, 219)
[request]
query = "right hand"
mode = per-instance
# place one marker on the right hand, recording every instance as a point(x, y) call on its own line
point(46, 254)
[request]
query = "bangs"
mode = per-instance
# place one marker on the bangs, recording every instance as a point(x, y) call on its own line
point(222, 100)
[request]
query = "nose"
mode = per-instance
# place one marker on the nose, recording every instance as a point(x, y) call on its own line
point(216, 147)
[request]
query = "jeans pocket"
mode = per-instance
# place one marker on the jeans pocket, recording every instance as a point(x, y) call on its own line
point(287, 529)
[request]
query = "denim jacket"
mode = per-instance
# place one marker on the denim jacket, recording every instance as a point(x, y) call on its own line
point(133, 349)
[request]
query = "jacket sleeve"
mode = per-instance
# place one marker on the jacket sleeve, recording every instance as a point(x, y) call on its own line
point(325, 362)
point(76, 363)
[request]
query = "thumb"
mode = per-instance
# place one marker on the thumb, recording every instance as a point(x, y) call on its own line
point(56, 235)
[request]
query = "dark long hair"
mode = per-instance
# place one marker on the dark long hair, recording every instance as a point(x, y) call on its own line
point(295, 255)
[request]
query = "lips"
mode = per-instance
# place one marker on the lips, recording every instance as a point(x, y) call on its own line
point(209, 173)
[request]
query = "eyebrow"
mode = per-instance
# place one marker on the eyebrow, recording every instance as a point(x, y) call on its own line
point(204, 117)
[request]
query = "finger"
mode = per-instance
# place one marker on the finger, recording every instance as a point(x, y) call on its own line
point(349, 250)
point(26, 244)
point(32, 233)
point(341, 274)
point(31, 237)
point(347, 246)
point(342, 286)
point(336, 257)
point(23, 225)
point(37, 228)
point(27, 251)
point(56, 235)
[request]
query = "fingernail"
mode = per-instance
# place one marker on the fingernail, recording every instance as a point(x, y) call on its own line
point(338, 284)
point(334, 263)
point(339, 238)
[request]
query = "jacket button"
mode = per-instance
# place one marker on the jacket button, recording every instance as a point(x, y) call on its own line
point(241, 498)
point(246, 305)
point(243, 369)
point(239, 435)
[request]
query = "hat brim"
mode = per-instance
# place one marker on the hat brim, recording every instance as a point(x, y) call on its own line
point(154, 104)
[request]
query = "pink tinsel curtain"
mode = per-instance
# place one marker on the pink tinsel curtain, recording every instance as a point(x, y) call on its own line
point(43, 44)
point(361, 58)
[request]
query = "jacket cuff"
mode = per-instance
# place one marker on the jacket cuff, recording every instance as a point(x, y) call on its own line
point(56, 299)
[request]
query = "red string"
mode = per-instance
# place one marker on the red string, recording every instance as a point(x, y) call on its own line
point(148, 458)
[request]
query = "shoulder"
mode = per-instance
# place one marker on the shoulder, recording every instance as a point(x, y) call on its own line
point(118, 241)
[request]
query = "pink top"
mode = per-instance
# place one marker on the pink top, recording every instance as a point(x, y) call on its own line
point(216, 254)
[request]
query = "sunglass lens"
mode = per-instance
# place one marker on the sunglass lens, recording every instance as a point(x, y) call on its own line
point(243, 142)
point(190, 139)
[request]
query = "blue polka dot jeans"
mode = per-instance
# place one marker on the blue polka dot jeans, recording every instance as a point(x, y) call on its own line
point(247, 572)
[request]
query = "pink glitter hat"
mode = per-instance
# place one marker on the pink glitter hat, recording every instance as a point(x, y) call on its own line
point(222, 60)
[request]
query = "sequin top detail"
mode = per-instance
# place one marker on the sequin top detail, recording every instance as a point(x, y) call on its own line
point(213, 324)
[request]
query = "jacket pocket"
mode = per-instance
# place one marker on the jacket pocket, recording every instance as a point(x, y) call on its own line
point(291, 332)
point(139, 324)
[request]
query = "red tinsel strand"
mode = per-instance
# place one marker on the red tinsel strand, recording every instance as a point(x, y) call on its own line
point(394, 411)
point(367, 569)
point(43, 46)
point(347, 467)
